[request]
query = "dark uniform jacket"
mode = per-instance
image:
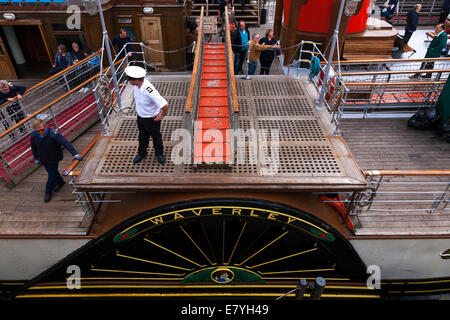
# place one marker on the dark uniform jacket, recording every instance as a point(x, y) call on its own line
point(412, 20)
point(48, 149)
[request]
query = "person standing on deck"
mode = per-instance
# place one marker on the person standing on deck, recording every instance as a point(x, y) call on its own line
point(411, 22)
point(46, 146)
point(434, 50)
point(239, 42)
point(9, 92)
point(255, 52)
point(151, 108)
point(266, 57)
point(121, 40)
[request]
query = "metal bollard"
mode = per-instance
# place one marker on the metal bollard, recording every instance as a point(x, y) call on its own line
point(301, 288)
point(318, 288)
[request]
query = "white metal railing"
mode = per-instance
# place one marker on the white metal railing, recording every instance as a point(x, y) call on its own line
point(428, 15)
point(64, 101)
point(308, 50)
point(43, 93)
point(396, 191)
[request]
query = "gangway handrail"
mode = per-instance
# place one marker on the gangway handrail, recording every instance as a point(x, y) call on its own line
point(83, 153)
point(231, 64)
point(190, 96)
point(371, 173)
point(53, 77)
point(49, 105)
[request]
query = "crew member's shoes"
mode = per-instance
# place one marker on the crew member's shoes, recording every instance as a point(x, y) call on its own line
point(58, 186)
point(138, 158)
point(414, 76)
point(47, 197)
point(161, 159)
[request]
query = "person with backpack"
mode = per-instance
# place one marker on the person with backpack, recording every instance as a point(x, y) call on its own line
point(46, 147)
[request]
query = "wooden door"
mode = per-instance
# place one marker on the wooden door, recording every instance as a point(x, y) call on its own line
point(6, 67)
point(32, 43)
point(152, 38)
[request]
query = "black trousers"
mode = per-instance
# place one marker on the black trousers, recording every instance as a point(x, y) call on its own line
point(407, 36)
point(427, 66)
point(265, 66)
point(149, 128)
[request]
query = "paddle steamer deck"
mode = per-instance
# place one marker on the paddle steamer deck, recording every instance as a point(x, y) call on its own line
point(374, 144)
point(310, 157)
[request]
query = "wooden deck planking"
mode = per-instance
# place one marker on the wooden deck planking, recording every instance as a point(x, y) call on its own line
point(391, 144)
point(24, 212)
point(379, 144)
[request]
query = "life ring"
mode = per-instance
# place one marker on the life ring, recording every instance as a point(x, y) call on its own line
point(337, 97)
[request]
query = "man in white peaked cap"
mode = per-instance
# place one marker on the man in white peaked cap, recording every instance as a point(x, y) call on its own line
point(151, 108)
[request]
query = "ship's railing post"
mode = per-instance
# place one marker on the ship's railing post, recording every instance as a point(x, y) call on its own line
point(438, 199)
point(301, 289)
point(319, 286)
point(6, 167)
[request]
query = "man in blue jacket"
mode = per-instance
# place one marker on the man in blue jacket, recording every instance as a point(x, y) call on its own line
point(445, 11)
point(46, 146)
point(412, 21)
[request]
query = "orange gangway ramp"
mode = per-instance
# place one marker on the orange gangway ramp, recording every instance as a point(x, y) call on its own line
point(212, 134)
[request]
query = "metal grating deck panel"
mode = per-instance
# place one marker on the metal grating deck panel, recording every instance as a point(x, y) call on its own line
point(309, 157)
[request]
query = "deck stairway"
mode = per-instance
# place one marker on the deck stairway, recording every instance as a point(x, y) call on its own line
point(250, 14)
point(213, 108)
point(65, 101)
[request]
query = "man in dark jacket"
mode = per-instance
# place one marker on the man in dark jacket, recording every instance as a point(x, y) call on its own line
point(9, 92)
point(122, 40)
point(412, 21)
point(445, 11)
point(46, 146)
point(239, 42)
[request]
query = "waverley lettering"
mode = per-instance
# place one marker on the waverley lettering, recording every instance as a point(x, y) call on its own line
point(195, 310)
